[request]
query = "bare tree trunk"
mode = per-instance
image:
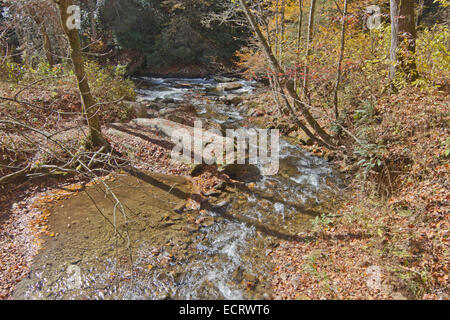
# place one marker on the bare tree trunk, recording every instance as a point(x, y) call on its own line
point(403, 39)
point(325, 139)
point(312, 11)
point(92, 8)
point(341, 57)
point(419, 12)
point(299, 37)
point(45, 37)
point(265, 24)
point(95, 135)
point(283, 27)
point(300, 22)
point(277, 29)
point(47, 46)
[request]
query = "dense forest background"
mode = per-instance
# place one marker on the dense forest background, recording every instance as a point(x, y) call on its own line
point(171, 33)
point(159, 34)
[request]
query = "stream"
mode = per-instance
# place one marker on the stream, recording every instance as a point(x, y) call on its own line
point(173, 257)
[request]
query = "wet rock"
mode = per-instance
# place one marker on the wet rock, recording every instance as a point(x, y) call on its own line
point(194, 204)
point(241, 171)
point(213, 91)
point(168, 100)
point(209, 221)
point(222, 79)
point(221, 204)
point(238, 275)
point(182, 85)
point(229, 86)
point(243, 108)
point(212, 193)
point(191, 228)
point(233, 99)
point(180, 208)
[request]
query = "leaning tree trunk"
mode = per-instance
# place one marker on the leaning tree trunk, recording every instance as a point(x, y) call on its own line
point(403, 39)
point(95, 137)
point(323, 139)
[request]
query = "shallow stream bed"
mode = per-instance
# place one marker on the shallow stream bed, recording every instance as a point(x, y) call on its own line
point(156, 253)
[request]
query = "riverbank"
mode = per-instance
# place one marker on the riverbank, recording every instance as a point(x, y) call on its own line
point(28, 227)
point(389, 239)
point(25, 204)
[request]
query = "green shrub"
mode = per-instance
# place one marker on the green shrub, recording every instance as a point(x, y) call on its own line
point(108, 83)
point(432, 55)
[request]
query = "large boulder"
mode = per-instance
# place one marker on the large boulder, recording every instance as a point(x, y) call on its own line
point(171, 129)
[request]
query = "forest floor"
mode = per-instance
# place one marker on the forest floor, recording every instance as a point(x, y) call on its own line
point(389, 239)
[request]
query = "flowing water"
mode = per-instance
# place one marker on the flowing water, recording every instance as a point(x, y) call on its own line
point(222, 257)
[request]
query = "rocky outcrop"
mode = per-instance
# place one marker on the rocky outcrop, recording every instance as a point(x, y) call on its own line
point(170, 129)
